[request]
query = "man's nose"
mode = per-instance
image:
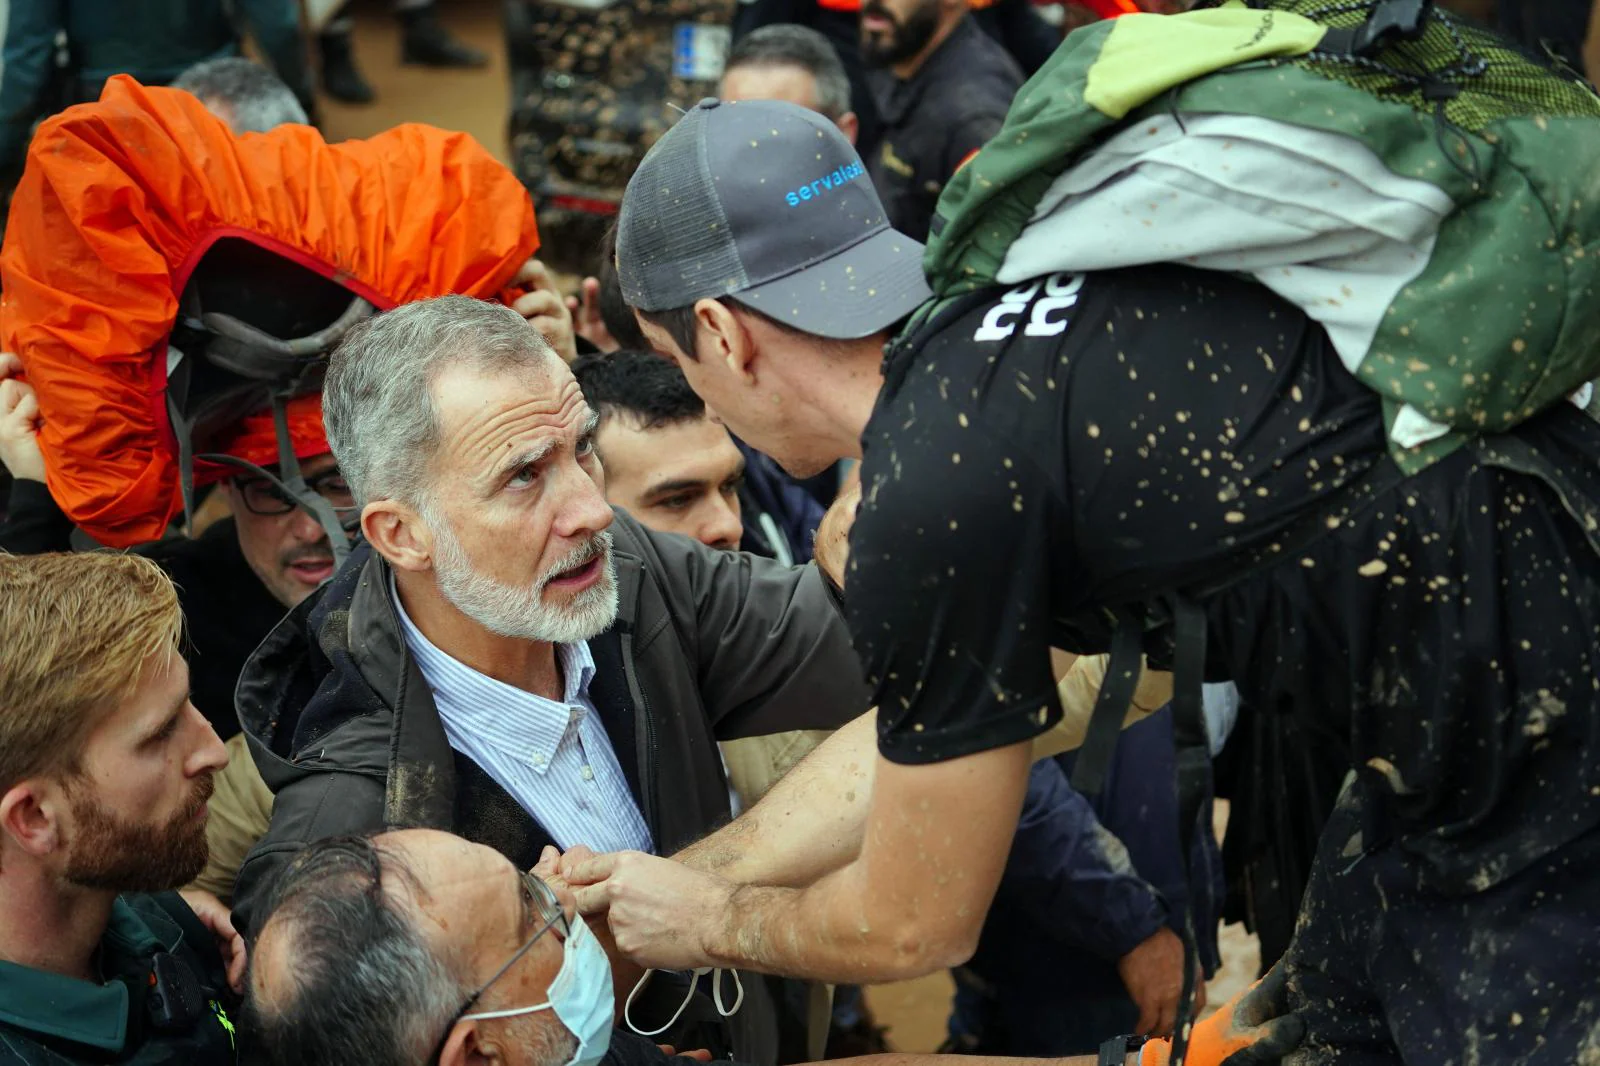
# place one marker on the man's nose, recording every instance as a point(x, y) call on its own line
point(722, 527)
point(304, 525)
point(210, 754)
point(584, 510)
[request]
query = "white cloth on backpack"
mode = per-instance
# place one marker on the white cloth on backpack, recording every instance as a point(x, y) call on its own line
point(1316, 217)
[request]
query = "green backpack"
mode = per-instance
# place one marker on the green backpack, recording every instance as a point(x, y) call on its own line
point(1422, 188)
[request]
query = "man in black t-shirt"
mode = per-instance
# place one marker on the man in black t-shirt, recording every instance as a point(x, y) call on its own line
point(1035, 455)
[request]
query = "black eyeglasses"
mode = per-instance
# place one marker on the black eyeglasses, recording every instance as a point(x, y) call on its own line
point(262, 497)
point(547, 910)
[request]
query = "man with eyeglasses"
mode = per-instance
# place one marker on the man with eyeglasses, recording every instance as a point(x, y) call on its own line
point(417, 946)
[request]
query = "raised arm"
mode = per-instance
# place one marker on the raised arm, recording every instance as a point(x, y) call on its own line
point(808, 825)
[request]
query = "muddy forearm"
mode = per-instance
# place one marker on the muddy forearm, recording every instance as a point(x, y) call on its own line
point(808, 825)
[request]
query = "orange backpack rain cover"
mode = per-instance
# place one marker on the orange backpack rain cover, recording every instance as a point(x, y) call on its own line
point(122, 197)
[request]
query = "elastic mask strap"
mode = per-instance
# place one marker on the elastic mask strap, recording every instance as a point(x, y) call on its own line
point(716, 995)
point(716, 991)
point(512, 1013)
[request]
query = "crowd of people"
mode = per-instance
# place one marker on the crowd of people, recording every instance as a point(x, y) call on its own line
point(408, 657)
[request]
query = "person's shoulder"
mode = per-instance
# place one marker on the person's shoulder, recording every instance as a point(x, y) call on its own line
point(987, 70)
point(1019, 328)
point(161, 911)
point(213, 558)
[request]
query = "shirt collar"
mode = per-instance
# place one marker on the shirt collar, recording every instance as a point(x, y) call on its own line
point(477, 708)
point(95, 1015)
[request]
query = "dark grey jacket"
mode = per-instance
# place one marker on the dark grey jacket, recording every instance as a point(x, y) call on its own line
point(707, 646)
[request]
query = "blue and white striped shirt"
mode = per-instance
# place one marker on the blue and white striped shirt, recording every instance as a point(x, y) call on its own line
point(555, 759)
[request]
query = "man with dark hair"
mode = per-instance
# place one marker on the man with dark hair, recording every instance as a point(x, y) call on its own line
point(242, 93)
point(793, 63)
point(678, 471)
point(105, 769)
point(416, 946)
point(942, 87)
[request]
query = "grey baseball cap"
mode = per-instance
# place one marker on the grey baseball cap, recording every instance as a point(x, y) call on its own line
point(768, 203)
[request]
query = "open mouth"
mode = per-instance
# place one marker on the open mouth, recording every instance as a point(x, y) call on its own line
point(578, 577)
point(312, 571)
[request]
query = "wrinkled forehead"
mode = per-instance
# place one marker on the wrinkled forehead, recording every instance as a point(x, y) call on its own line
point(485, 414)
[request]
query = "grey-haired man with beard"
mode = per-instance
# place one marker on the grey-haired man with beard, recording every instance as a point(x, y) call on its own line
point(508, 659)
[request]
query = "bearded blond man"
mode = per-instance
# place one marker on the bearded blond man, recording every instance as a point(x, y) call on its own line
point(105, 770)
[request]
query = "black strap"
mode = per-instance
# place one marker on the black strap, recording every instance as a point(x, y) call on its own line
point(1111, 706)
point(306, 498)
point(1391, 20)
point(1193, 743)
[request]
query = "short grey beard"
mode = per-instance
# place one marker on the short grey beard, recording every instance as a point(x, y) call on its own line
point(551, 1044)
point(520, 611)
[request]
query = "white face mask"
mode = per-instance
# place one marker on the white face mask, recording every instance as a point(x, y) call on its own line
point(716, 994)
point(580, 995)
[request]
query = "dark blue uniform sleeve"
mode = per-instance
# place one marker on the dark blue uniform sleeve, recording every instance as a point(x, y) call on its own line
point(1073, 876)
point(29, 61)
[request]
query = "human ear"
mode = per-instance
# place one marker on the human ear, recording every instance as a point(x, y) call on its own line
point(398, 533)
point(724, 339)
point(849, 125)
point(28, 816)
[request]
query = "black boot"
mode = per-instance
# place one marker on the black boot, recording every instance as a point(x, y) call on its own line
point(427, 43)
point(340, 78)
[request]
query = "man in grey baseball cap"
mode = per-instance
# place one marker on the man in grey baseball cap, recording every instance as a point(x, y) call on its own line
point(1017, 463)
point(751, 242)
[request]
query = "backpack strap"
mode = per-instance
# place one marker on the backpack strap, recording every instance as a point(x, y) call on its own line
point(1391, 20)
point(1193, 742)
point(1111, 705)
point(288, 479)
point(1190, 735)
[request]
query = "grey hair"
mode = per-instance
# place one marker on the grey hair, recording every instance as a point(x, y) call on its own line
point(787, 45)
point(362, 984)
point(377, 401)
point(256, 99)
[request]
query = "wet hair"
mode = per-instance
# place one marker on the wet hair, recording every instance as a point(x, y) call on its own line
point(256, 99)
point(787, 45)
point(641, 385)
point(363, 985)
